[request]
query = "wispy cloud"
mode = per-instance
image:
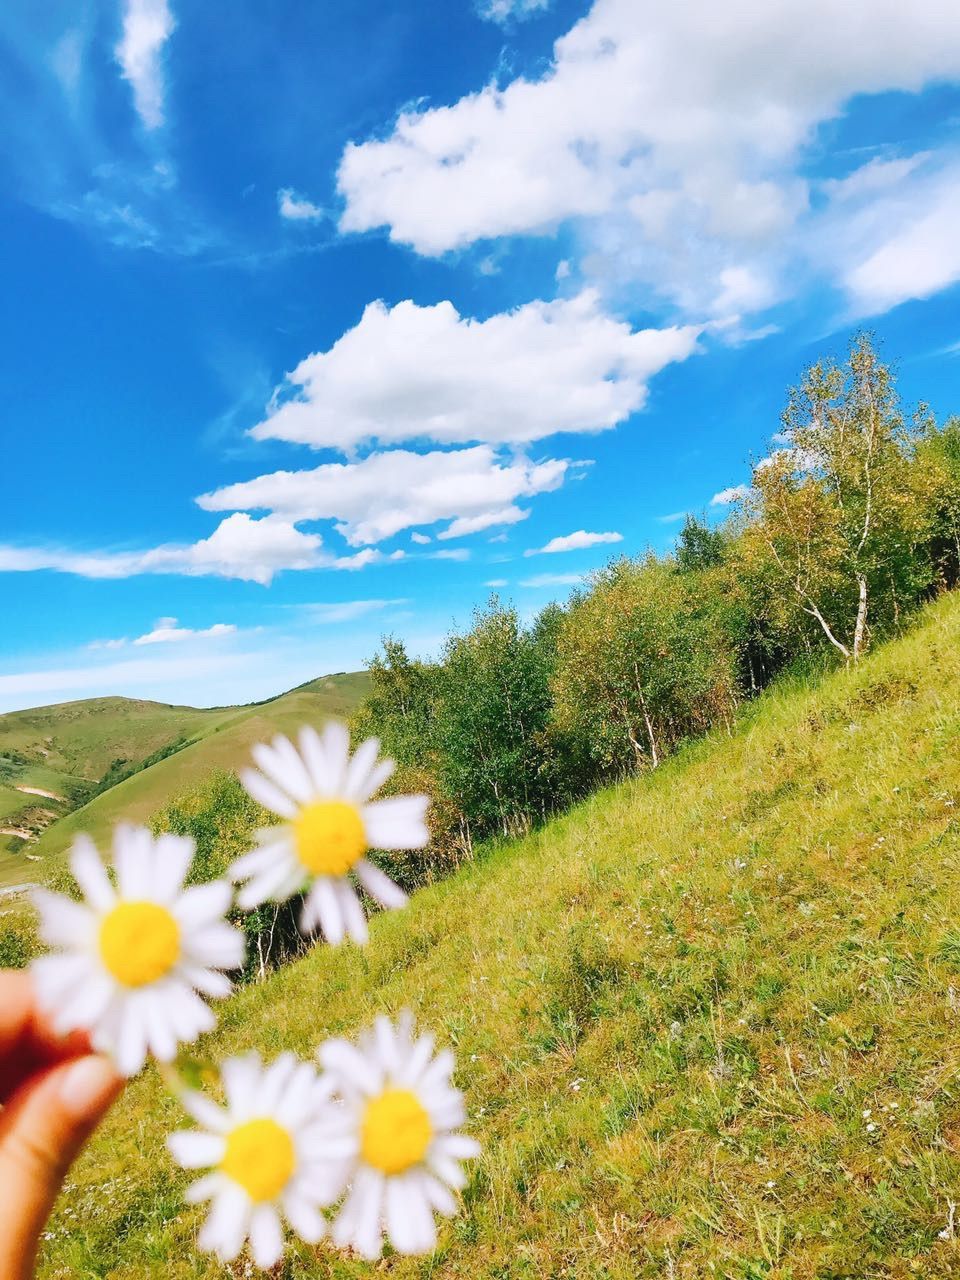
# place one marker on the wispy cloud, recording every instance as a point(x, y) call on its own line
point(553, 580)
point(726, 497)
point(330, 612)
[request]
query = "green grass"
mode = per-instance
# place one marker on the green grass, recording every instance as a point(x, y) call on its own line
point(87, 736)
point(708, 1023)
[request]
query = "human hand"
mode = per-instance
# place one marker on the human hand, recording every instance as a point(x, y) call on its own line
point(53, 1093)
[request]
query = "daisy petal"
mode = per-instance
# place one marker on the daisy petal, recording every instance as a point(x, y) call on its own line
point(90, 874)
point(397, 822)
point(267, 793)
point(266, 1236)
point(379, 885)
point(358, 769)
point(194, 1150)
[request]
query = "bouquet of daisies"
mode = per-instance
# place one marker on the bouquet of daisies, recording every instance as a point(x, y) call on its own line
point(365, 1141)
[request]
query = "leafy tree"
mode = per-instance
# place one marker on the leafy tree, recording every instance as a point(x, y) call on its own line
point(833, 509)
point(699, 547)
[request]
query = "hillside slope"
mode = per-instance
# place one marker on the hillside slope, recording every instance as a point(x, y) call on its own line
point(86, 737)
point(708, 1023)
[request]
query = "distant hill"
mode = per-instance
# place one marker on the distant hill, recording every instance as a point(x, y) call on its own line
point(54, 759)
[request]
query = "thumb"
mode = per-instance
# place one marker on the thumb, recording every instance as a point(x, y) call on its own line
point(41, 1133)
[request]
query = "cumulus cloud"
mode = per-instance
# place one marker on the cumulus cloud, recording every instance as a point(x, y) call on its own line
point(486, 520)
point(384, 493)
point(675, 134)
point(166, 631)
point(147, 25)
point(410, 372)
point(421, 539)
point(574, 542)
point(296, 208)
point(240, 547)
point(726, 497)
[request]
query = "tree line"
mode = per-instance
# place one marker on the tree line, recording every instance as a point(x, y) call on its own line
point(851, 523)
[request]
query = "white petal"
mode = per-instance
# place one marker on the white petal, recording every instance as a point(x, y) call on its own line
point(194, 1150)
point(336, 750)
point(172, 858)
point(130, 1051)
point(447, 1170)
point(355, 922)
point(202, 903)
point(267, 794)
point(397, 822)
point(358, 769)
point(133, 859)
point(379, 885)
point(226, 1227)
point(208, 982)
point(90, 874)
point(307, 1222)
point(63, 922)
point(160, 1034)
point(205, 1112)
point(269, 883)
point(241, 1082)
point(457, 1146)
point(263, 857)
point(266, 1236)
point(220, 946)
point(360, 1218)
point(418, 1058)
point(400, 1215)
point(377, 776)
point(349, 1066)
point(204, 1188)
point(314, 757)
point(281, 764)
point(323, 904)
point(437, 1195)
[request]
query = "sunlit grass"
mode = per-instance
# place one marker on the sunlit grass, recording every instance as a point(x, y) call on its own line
point(708, 1023)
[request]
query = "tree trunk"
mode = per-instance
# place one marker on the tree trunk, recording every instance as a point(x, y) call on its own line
point(859, 634)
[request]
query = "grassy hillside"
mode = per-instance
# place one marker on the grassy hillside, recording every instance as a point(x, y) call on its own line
point(708, 1023)
point(86, 737)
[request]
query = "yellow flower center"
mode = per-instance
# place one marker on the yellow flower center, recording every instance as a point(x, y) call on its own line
point(329, 837)
point(139, 942)
point(260, 1157)
point(396, 1131)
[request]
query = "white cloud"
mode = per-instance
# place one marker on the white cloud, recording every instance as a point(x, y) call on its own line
point(117, 677)
point(297, 208)
point(330, 612)
point(553, 580)
point(166, 631)
point(421, 539)
point(495, 582)
point(486, 520)
point(918, 252)
point(673, 518)
point(147, 25)
point(503, 10)
point(240, 547)
point(674, 133)
point(726, 497)
point(574, 542)
point(410, 372)
point(385, 493)
point(451, 553)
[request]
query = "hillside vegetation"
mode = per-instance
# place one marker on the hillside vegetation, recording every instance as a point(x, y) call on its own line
point(71, 748)
point(707, 1022)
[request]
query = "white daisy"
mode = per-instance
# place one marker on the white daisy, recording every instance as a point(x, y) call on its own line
point(394, 1132)
point(264, 1150)
point(324, 796)
point(131, 959)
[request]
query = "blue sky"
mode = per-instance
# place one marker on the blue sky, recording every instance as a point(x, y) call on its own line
point(320, 319)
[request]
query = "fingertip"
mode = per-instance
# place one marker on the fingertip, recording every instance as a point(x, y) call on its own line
point(88, 1086)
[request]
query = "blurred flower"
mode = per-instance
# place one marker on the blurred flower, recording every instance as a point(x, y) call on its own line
point(324, 795)
point(131, 959)
point(264, 1153)
point(394, 1132)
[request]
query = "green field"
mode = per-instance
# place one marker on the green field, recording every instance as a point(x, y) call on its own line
point(707, 1022)
point(75, 743)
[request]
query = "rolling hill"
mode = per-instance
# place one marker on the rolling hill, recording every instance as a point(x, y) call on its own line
point(67, 749)
point(707, 1022)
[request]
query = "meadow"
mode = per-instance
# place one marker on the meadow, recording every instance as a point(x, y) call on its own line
point(706, 1021)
